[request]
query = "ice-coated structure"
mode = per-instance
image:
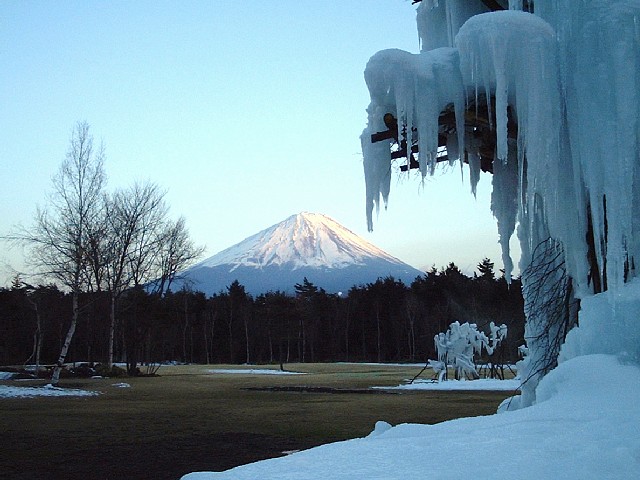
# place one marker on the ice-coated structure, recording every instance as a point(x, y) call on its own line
point(457, 346)
point(557, 91)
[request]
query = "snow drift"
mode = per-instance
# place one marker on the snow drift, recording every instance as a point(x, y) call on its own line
point(574, 431)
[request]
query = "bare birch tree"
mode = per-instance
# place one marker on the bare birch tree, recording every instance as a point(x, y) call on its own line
point(59, 239)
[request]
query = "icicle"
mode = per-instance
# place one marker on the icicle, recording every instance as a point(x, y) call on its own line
point(377, 173)
point(515, 4)
point(438, 21)
point(474, 171)
point(504, 204)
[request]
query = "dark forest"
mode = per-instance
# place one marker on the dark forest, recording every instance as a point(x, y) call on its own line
point(384, 321)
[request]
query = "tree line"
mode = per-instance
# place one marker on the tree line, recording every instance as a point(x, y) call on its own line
point(111, 258)
point(383, 321)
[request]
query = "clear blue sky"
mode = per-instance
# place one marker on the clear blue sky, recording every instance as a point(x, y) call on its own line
point(246, 111)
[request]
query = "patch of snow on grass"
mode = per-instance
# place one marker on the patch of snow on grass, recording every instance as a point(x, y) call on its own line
point(484, 384)
point(46, 391)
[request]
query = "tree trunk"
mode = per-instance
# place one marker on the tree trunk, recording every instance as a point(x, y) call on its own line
point(206, 343)
point(37, 337)
point(304, 339)
point(378, 331)
point(112, 330)
point(231, 341)
point(280, 354)
point(185, 329)
point(288, 344)
point(39, 342)
point(55, 378)
point(346, 334)
point(271, 342)
point(246, 336)
point(412, 340)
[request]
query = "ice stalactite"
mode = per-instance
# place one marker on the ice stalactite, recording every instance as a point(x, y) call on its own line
point(599, 62)
point(504, 203)
point(377, 168)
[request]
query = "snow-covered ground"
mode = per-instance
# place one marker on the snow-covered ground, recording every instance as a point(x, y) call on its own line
point(481, 384)
point(46, 391)
point(583, 426)
point(252, 371)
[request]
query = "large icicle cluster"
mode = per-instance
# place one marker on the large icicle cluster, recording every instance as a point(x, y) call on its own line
point(569, 77)
point(415, 89)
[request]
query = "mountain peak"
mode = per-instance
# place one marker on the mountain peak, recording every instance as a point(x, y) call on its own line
point(307, 244)
point(302, 240)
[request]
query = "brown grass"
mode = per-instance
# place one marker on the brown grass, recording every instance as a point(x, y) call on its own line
point(189, 420)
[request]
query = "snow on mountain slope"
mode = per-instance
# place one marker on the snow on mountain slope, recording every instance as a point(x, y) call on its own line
point(305, 245)
point(302, 240)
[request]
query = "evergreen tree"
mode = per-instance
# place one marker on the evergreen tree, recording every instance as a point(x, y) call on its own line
point(485, 269)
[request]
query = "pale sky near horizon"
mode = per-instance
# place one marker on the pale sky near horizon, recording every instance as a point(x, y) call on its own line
point(247, 112)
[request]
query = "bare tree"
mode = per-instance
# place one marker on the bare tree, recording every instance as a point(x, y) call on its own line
point(550, 307)
point(140, 246)
point(412, 306)
point(159, 251)
point(59, 239)
point(175, 252)
point(31, 295)
point(126, 215)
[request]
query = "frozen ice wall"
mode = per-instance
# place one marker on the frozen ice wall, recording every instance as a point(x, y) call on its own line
point(569, 77)
point(601, 51)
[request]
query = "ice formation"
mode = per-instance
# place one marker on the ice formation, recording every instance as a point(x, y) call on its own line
point(559, 90)
point(457, 346)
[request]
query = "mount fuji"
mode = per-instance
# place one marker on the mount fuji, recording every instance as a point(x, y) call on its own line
point(307, 245)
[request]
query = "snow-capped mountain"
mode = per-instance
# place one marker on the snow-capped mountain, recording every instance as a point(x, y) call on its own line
point(304, 245)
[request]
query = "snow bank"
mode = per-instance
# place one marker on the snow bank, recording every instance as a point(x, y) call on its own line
point(583, 427)
point(46, 391)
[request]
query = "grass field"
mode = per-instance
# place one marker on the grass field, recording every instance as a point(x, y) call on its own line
point(187, 419)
